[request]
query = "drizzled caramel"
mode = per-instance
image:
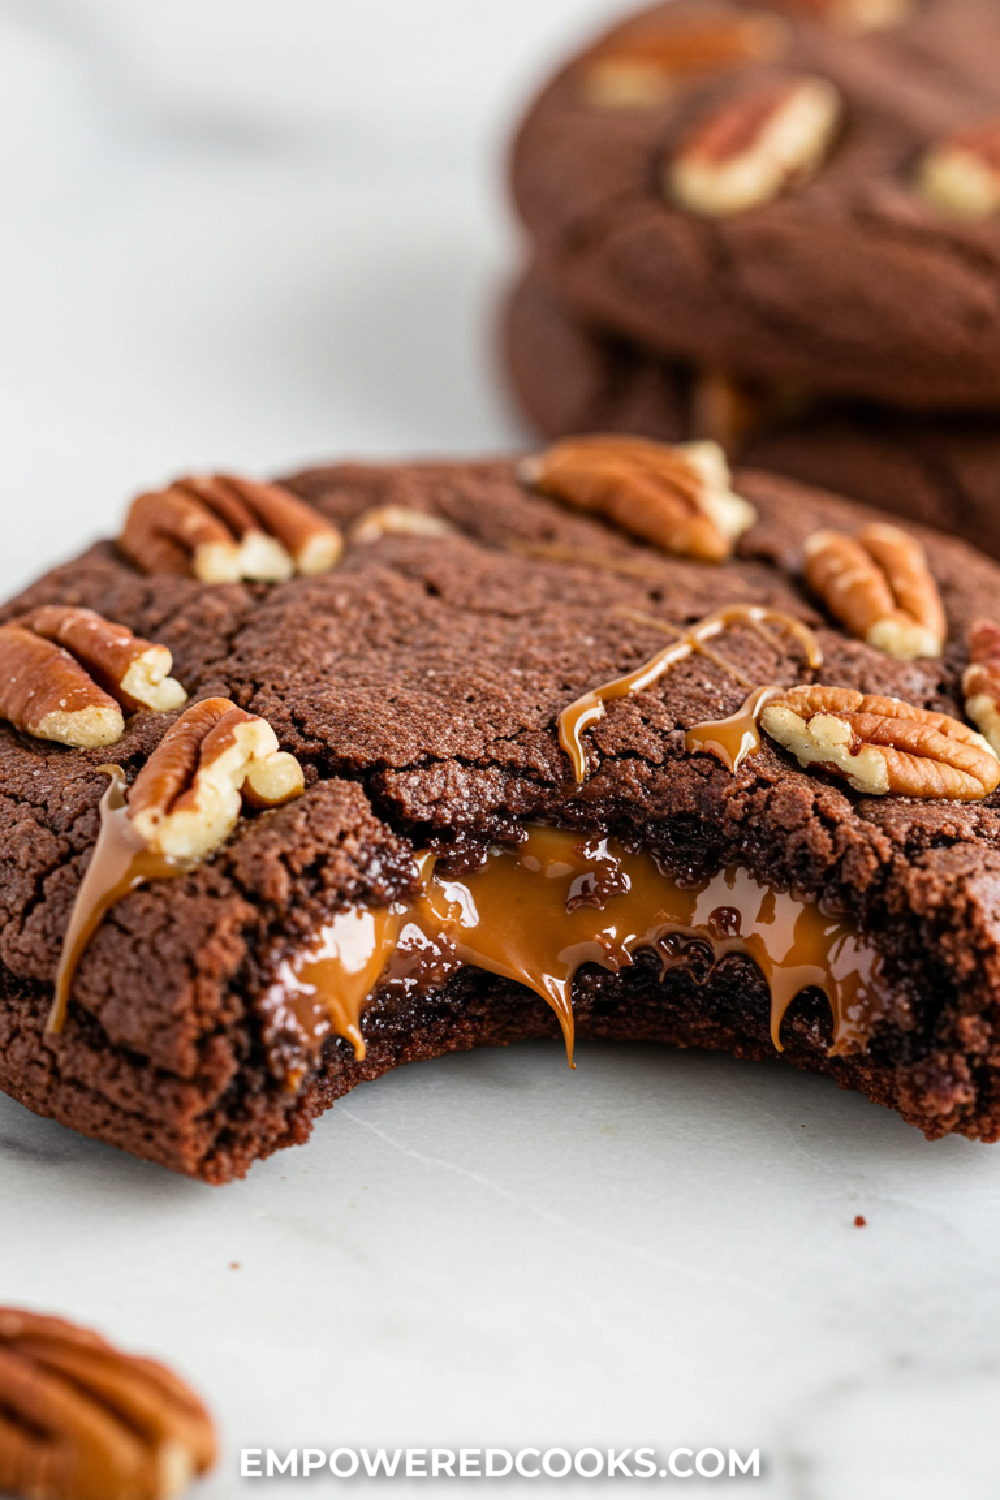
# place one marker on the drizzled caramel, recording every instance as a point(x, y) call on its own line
point(538, 913)
point(120, 862)
point(629, 566)
point(731, 740)
point(589, 709)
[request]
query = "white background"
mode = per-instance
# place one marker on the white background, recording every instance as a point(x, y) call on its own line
point(257, 232)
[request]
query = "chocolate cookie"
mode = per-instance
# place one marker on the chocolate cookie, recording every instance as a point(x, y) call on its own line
point(803, 192)
point(594, 746)
point(942, 471)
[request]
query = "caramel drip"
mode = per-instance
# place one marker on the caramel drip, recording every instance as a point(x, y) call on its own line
point(537, 913)
point(731, 740)
point(120, 862)
point(589, 709)
point(326, 990)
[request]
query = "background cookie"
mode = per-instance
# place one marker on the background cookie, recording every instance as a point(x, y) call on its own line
point(567, 377)
point(776, 191)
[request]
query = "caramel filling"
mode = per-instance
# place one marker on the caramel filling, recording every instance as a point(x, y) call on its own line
point(537, 913)
point(120, 862)
point(325, 989)
point(589, 709)
point(534, 915)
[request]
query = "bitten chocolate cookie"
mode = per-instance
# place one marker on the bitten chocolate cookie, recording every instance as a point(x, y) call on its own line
point(802, 192)
point(599, 743)
point(942, 471)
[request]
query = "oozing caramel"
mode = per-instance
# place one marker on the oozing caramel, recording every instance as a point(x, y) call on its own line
point(537, 913)
point(325, 989)
point(589, 709)
point(120, 862)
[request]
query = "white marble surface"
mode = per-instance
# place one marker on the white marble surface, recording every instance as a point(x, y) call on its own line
point(253, 232)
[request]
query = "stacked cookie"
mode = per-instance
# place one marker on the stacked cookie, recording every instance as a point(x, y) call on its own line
point(776, 223)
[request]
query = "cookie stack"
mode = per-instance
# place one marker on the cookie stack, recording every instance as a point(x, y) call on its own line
point(776, 224)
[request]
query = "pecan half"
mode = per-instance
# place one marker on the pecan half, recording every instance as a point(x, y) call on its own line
point(44, 692)
point(981, 680)
point(222, 528)
point(79, 1420)
point(397, 520)
point(878, 585)
point(851, 15)
point(134, 671)
point(753, 145)
point(676, 497)
point(961, 175)
point(637, 68)
point(881, 745)
point(66, 674)
point(187, 798)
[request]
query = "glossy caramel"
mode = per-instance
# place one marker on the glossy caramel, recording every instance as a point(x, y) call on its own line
point(120, 862)
point(731, 740)
point(589, 708)
point(324, 990)
point(535, 914)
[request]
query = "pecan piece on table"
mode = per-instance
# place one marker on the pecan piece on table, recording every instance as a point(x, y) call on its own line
point(753, 145)
point(187, 798)
point(641, 66)
point(677, 497)
point(66, 674)
point(878, 584)
point(222, 528)
point(981, 680)
point(961, 175)
point(881, 745)
point(79, 1420)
